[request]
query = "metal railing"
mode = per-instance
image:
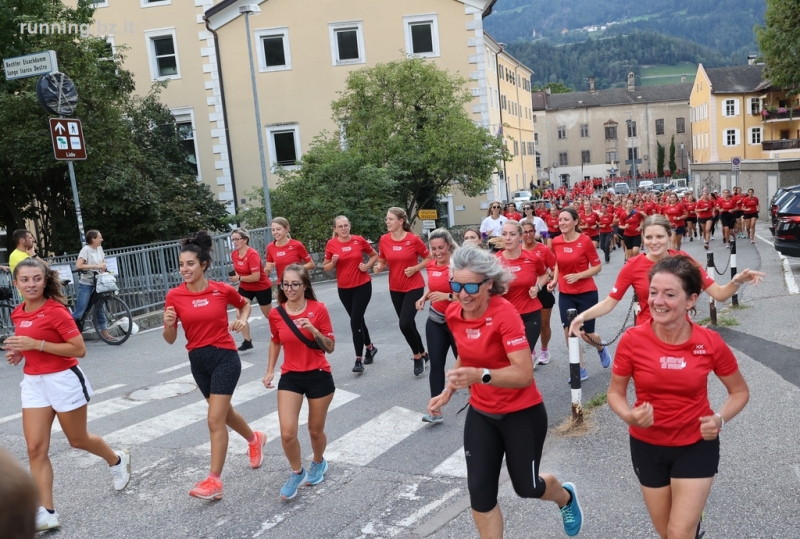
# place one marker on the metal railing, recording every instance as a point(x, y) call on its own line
point(783, 144)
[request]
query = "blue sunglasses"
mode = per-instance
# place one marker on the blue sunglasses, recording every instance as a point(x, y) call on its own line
point(469, 288)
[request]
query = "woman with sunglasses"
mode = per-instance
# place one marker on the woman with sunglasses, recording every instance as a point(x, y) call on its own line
point(345, 253)
point(538, 222)
point(301, 326)
point(253, 280)
point(492, 224)
point(750, 207)
point(284, 250)
point(506, 416)
point(531, 242)
point(402, 250)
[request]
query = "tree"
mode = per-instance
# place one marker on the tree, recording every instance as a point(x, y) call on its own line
point(778, 39)
point(660, 154)
point(672, 165)
point(555, 88)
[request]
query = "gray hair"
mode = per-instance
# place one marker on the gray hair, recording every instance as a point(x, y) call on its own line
point(485, 264)
point(243, 232)
point(444, 234)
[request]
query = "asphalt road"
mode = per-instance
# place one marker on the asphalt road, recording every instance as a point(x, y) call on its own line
point(390, 474)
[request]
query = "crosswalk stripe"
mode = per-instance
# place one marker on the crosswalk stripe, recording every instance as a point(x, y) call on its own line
point(369, 441)
point(453, 466)
point(96, 392)
point(174, 368)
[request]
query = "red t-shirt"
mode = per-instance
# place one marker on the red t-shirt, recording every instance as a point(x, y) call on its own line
point(635, 273)
point(728, 205)
point(674, 379)
point(401, 255)
point(704, 209)
point(513, 215)
point(650, 208)
point(51, 322)
point(575, 257)
point(485, 343)
point(526, 269)
point(439, 281)
point(552, 223)
point(351, 254)
point(672, 212)
point(750, 205)
point(606, 221)
point(620, 214)
point(738, 200)
point(587, 222)
point(293, 252)
point(297, 357)
point(690, 206)
point(247, 265)
point(633, 220)
point(546, 254)
point(204, 315)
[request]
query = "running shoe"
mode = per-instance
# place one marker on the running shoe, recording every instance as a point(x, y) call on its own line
point(544, 357)
point(691, 238)
point(727, 245)
point(605, 357)
point(370, 355)
point(572, 514)
point(359, 366)
point(289, 489)
point(246, 345)
point(256, 449)
point(316, 472)
point(419, 367)
point(207, 489)
point(584, 376)
point(45, 520)
point(700, 534)
point(428, 418)
point(121, 473)
point(752, 241)
point(705, 246)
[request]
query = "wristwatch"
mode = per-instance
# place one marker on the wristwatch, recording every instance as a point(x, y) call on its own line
point(450, 296)
point(487, 376)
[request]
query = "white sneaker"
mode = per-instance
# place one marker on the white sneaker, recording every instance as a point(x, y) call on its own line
point(544, 357)
point(121, 473)
point(46, 521)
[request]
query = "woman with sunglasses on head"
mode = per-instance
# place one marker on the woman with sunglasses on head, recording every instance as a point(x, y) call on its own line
point(750, 208)
point(506, 416)
point(301, 326)
point(345, 253)
point(437, 334)
point(492, 224)
point(405, 254)
point(253, 281)
point(201, 306)
point(674, 432)
point(531, 242)
point(53, 384)
point(283, 250)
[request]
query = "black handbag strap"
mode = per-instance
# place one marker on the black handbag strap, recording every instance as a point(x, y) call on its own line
point(289, 322)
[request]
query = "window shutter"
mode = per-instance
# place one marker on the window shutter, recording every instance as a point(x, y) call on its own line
point(737, 135)
point(736, 111)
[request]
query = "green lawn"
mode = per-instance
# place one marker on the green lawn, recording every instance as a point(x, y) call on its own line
point(665, 74)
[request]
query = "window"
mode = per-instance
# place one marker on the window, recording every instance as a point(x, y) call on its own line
point(612, 157)
point(505, 103)
point(422, 35)
point(755, 135)
point(755, 106)
point(680, 125)
point(531, 148)
point(347, 43)
point(184, 120)
point(536, 138)
point(284, 144)
point(538, 162)
point(524, 148)
point(631, 129)
point(152, 3)
point(562, 132)
point(730, 137)
point(273, 49)
point(633, 153)
point(163, 53)
point(584, 130)
point(611, 132)
point(586, 157)
point(99, 3)
point(562, 159)
point(730, 107)
point(660, 127)
point(516, 147)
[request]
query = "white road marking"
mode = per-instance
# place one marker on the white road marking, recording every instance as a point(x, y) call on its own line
point(12, 417)
point(788, 276)
point(367, 442)
point(453, 466)
point(250, 320)
point(174, 368)
point(109, 388)
point(422, 511)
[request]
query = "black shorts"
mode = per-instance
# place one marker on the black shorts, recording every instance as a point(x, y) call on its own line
point(632, 241)
point(579, 302)
point(728, 219)
point(215, 370)
point(546, 297)
point(738, 213)
point(554, 234)
point(691, 219)
point(655, 465)
point(680, 231)
point(751, 215)
point(703, 220)
point(264, 297)
point(313, 384)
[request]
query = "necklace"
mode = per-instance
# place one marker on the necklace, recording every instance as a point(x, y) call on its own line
point(301, 309)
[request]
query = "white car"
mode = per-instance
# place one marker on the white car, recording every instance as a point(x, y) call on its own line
point(522, 196)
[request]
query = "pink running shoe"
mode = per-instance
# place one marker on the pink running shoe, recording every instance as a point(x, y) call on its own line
point(208, 489)
point(256, 449)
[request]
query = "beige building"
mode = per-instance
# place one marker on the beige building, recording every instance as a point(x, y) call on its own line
point(600, 133)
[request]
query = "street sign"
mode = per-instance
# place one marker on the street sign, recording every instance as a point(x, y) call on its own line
point(67, 135)
point(57, 94)
point(736, 164)
point(428, 214)
point(30, 65)
point(428, 224)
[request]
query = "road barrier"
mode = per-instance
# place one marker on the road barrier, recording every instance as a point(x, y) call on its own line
point(735, 298)
point(712, 305)
point(575, 370)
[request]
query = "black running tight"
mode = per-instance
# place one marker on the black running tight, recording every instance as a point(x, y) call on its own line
point(440, 340)
point(406, 309)
point(355, 301)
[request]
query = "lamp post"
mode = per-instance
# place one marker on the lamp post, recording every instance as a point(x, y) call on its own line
point(247, 10)
point(500, 108)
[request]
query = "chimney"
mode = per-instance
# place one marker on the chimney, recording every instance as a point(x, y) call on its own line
point(631, 82)
point(591, 85)
point(751, 59)
point(547, 91)
point(683, 78)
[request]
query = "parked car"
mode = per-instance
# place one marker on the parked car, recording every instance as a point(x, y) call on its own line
point(787, 227)
point(646, 185)
point(778, 199)
point(522, 196)
point(622, 189)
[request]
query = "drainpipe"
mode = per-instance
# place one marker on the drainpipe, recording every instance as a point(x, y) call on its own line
point(519, 127)
point(500, 108)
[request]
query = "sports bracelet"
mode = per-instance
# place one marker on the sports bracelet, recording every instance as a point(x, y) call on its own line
point(737, 285)
point(721, 419)
point(448, 391)
point(42, 346)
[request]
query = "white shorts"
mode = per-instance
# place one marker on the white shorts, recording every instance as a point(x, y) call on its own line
point(62, 391)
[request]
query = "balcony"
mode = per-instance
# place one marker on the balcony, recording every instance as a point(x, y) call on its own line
point(780, 114)
point(785, 144)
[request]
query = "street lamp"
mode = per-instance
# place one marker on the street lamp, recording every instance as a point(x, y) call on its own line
point(500, 107)
point(247, 10)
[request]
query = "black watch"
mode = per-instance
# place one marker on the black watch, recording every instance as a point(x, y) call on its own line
point(450, 296)
point(487, 376)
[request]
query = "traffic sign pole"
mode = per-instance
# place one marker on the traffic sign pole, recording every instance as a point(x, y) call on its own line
point(77, 201)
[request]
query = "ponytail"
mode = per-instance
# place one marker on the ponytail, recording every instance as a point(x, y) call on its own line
point(199, 244)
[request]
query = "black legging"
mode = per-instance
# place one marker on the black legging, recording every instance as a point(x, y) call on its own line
point(440, 339)
point(406, 309)
point(605, 243)
point(355, 301)
point(533, 327)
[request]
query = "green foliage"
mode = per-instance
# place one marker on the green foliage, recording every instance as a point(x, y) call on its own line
point(778, 39)
point(660, 155)
point(135, 186)
point(672, 165)
point(555, 88)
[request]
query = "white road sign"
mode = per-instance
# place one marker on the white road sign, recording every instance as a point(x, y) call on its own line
point(30, 65)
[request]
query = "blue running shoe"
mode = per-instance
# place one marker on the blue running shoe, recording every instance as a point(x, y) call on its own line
point(572, 514)
point(605, 357)
point(428, 418)
point(289, 489)
point(316, 472)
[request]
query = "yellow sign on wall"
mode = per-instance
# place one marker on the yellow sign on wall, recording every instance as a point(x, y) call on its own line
point(428, 214)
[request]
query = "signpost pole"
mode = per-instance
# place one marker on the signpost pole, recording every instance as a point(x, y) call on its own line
point(77, 201)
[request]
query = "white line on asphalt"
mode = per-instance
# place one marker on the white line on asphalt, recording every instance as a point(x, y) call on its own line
point(107, 389)
point(96, 392)
point(364, 444)
point(8, 418)
point(422, 511)
point(454, 466)
point(175, 368)
point(791, 284)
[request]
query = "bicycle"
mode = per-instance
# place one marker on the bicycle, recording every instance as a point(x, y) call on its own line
point(109, 310)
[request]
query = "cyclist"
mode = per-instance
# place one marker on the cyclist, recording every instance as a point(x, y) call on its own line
point(90, 259)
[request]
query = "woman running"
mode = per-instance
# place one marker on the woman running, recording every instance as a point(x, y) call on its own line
point(345, 253)
point(283, 250)
point(691, 220)
point(530, 275)
point(492, 224)
point(576, 265)
point(511, 212)
point(472, 235)
point(53, 385)
point(438, 335)
point(506, 417)
point(674, 432)
point(656, 237)
point(606, 223)
point(531, 242)
point(677, 214)
point(553, 231)
point(402, 250)
point(201, 306)
point(738, 213)
point(726, 206)
point(705, 213)
point(750, 207)
point(630, 224)
point(302, 326)
point(253, 280)
point(589, 223)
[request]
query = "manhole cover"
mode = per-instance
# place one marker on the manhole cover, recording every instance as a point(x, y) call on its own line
point(161, 391)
